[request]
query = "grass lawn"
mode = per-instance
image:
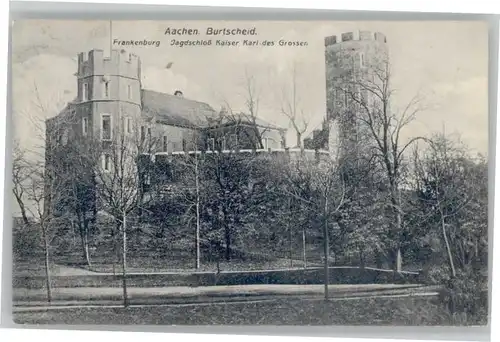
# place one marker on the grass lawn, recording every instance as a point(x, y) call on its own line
point(66, 266)
point(379, 311)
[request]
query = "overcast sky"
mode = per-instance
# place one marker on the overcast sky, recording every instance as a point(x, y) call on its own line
point(446, 62)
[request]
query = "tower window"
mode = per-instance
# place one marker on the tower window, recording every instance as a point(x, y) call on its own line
point(128, 125)
point(347, 36)
point(85, 125)
point(165, 144)
point(106, 127)
point(106, 89)
point(106, 162)
point(129, 92)
point(361, 60)
point(85, 92)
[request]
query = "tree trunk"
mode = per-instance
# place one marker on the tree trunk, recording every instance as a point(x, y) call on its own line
point(326, 246)
point(84, 234)
point(197, 238)
point(23, 211)
point(288, 226)
point(124, 261)
point(304, 256)
point(227, 236)
point(396, 203)
point(47, 263)
point(448, 249)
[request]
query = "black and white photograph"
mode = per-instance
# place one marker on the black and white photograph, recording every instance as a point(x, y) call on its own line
point(249, 173)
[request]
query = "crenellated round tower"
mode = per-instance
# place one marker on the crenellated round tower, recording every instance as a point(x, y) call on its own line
point(109, 93)
point(351, 58)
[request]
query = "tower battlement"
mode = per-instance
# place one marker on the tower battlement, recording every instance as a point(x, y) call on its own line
point(95, 62)
point(355, 36)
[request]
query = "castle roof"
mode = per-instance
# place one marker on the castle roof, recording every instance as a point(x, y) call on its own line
point(176, 110)
point(242, 118)
point(180, 111)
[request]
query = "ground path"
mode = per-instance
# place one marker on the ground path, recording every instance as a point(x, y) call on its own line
point(29, 298)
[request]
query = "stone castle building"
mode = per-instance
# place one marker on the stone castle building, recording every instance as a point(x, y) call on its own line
point(112, 102)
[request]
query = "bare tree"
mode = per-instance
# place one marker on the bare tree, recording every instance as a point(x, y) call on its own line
point(291, 109)
point(246, 123)
point(121, 176)
point(192, 182)
point(322, 190)
point(367, 91)
point(20, 177)
point(39, 196)
point(447, 180)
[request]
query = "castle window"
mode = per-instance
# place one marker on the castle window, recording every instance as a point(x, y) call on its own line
point(223, 143)
point(149, 132)
point(265, 143)
point(184, 145)
point(106, 132)
point(128, 123)
point(106, 162)
point(165, 144)
point(361, 60)
point(129, 92)
point(85, 125)
point(234, 141)
point(85, 92)
point(211, 144)
point(143, 133)
point(347, 36)
point(106, 89)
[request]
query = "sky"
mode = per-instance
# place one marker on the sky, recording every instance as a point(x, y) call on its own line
point(446, 63)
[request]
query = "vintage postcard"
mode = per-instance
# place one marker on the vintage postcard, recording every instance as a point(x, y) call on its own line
point(250, 172)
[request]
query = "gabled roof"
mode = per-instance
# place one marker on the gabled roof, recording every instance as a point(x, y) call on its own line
point(176, 110)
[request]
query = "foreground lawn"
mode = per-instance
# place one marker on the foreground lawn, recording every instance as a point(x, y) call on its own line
point(378, 311)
